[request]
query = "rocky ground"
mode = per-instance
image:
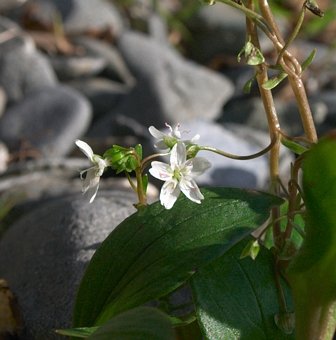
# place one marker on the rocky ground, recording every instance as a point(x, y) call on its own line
point(83, 69)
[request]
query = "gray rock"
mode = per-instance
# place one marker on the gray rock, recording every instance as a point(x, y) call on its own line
point(79, 15)
point(3, 100)
point(49, 120)
point(76, 67)
point(115, 67)
point(43, 256)
point(219, 30)
point(23, 69)
point(103, 94)
point(169, 88)
point(6, 5)
point(247, 111)
point(158, 29)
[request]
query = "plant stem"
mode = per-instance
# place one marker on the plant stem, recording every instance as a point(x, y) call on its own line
point(140, 190)
point(273, 125)
point(293, 34)
point(292, 200)
point(304, 108)
point(250, 14)
point(237, 157)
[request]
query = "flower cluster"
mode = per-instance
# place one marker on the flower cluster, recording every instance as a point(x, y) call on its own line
point(178, 176)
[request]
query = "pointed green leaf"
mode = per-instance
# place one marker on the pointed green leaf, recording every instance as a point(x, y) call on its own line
point(309, 59)
point(138, 150)
point(236, 298)
point(274, 81)
point(81, 332)
point(142, 323)
point(251, 249)
point(248, 85)
point(295, 147)
point(155, 250)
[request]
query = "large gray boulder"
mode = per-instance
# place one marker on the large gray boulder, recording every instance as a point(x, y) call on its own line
point(44, 254)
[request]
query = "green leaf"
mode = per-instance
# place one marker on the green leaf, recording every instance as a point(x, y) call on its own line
point(142, 323)
point(251, 249)
point(309, 59)
point(295, 147)
point(82, 332)
point(248, 85)
point(319, 186)
point(252, 54)
point(237, 299)
point(155, 250)
point(138, 150)
point(312, 273)
point(274, 81)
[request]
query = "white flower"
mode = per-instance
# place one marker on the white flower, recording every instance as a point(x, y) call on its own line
point(179, 176)
point(167, 140)
point(91, 180)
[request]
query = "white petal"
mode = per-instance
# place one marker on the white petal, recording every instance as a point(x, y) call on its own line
point(101, 164)
point(195, 138)
point(176, 131)
point(92, 193)
point(156, 133)
point(85, 148)
point(178, 155)
point(90, 180)
point(161, 145)
point(199, 166)
point(191, 190)
point(161, 171)
point(169, 194)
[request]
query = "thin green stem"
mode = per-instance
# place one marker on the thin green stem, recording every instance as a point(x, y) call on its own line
point(133, 186)
point(145, 161)
point(140, 190)
point(237, 157)
point(292, 199)
point(273, 125)
point(250, 14)
point(294, 34)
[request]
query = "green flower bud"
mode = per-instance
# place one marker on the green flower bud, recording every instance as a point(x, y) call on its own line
point(124, 159)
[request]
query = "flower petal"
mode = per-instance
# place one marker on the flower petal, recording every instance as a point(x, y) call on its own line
point(85, 148)
point(156, 133)
point(169, 193)
point(195, 138)
point(92, 193)
point(199, 166)
point(191, 190)
point(178, 155)
point(161, 171)
point(176, 131)
point(90, 179)
point(161, 145)
point(100, 164)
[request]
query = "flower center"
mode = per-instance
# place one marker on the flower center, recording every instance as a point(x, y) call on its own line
point(169, 141)
point(177, 174)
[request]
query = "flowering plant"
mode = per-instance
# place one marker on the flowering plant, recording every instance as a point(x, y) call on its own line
point(258, 265)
